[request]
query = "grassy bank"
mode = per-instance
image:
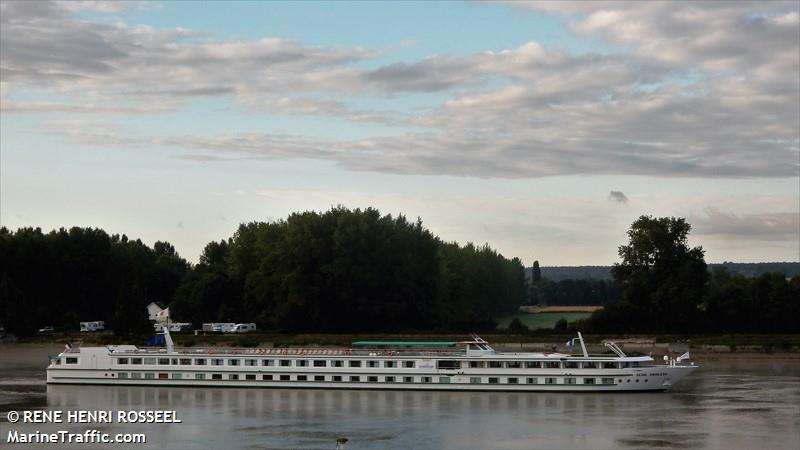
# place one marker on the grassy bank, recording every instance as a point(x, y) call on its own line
point(545, 320)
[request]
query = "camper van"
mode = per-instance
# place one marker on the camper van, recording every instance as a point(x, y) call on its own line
point(243, 328)
point(98, 325)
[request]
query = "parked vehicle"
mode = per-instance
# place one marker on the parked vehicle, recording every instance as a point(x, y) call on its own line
point(45, 330)
point(98, 325)
point(243, 328)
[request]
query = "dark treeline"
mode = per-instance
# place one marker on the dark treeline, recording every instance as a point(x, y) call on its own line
point(349, 271)
point(66, 276)
point(666, 287)
point(573, 292)
point(753, 270)
point(338, 271)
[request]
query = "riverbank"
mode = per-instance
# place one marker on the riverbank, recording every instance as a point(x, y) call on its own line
point(656, 344)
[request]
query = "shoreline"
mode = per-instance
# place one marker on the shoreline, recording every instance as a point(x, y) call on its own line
point(766, 346)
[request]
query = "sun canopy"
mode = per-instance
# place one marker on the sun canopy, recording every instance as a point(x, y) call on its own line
point(403, 344)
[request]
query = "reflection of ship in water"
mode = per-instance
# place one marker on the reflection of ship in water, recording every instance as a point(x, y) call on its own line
point(379, 402)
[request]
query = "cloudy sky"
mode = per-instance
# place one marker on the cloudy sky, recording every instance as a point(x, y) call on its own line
point(543, 129)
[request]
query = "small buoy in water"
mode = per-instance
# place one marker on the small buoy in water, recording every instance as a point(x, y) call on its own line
point(340, 441)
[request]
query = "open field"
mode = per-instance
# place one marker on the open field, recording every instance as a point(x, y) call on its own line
point(541, 320)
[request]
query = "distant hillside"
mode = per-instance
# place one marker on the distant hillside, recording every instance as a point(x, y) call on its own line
point(559, 273)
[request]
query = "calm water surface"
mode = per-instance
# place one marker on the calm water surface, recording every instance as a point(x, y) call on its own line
point(729, 403)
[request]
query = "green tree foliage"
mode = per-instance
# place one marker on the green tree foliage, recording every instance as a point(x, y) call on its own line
point(662, 279)
point(769, 303)
point(348, 271)
point(66, 276)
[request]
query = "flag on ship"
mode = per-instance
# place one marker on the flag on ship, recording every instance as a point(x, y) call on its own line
point(571, 342)
point(683, 356)
point(67, 347)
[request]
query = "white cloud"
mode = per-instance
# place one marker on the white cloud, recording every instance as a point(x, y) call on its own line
point(693, 89)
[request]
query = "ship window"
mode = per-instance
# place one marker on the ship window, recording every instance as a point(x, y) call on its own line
point(149, 360)
point(444, 380)
point(199, 376)
point(408, 379)
point(136, 361)
point(636, 364)
point(163, 376)
point(355, 378)
point(495, 364)
point(337, 363)
point(372, 379)
point(569, 380)
point(337, 378)
point(200, 362)
point(551, 380)
point(319, 377)
point(71, 360)
point(637, 380)
point(320, 363)
point(216, 376)
point(234, 362)
point(136, 375)
point(448, 364)
point(372, 363)
point(249, 377)
point(530, 380)
point(267, 362)
point(186, 361)
point(389, 379)
point(266, 377)
point(122, 360)
point(552, 364)
point(355, 363)
point(494, 380)
point(570, 364)
point(533, 364)
point(233, 376)
point(588, 381)
point(216, 362)
point(476, 364)
point(513, 364)
point(149, 376)
point(408, 364)
point(427, 379)
point(590, 365)
point(174, 361)
point(475, 380)
point(177, 376)
point(609, 365)
point(284, 377)
point(286, 362)
point(123, 375)
point(163, 361)
point(513, 381)
point(251, 362)
point(608, 380)
point(390, 364)
point(301, 363)
point(302, 378)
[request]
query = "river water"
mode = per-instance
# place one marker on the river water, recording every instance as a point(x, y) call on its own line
point(731, 402)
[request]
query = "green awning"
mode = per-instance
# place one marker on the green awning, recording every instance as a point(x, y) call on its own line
point(403, 344)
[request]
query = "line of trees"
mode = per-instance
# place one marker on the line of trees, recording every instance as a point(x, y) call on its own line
point(349, 271)
point(66, 276)
point(338, 271)
point(666, 287)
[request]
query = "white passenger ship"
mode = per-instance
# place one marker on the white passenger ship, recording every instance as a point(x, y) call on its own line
point(468, 365)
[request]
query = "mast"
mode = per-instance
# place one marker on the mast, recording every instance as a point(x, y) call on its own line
point(583, 345)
